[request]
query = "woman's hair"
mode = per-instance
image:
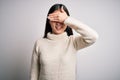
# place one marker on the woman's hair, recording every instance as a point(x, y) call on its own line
point(48, 27)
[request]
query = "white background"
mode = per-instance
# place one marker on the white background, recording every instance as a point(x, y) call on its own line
point(23, 21)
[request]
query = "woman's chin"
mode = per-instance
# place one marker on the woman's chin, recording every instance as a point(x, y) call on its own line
point(58, 32)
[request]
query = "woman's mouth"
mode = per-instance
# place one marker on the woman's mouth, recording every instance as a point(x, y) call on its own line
point(58, 27)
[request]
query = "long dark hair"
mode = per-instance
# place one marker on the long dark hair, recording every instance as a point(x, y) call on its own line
point(48, 27)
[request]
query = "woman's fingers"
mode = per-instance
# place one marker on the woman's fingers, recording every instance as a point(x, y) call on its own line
point(52, 18)
point(52, 14)
point(59, 16)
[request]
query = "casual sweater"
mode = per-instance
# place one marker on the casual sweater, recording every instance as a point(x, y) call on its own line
point(54, 57)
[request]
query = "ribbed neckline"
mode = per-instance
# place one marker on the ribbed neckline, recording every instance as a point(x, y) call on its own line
point(61, 36)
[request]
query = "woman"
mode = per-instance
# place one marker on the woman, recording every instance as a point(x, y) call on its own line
point(54, 55)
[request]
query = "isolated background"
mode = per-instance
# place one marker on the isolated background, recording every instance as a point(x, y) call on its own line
point(23, 21)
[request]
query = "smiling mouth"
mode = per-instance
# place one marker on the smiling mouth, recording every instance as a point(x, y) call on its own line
point(58, 27)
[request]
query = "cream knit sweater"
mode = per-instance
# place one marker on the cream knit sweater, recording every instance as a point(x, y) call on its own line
point(54, 57)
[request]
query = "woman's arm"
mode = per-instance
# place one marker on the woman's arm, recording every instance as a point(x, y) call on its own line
point(87, 35)
point(34, 71)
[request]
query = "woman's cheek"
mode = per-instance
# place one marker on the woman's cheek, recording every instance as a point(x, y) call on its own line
point(65, 26)
point(52, 25)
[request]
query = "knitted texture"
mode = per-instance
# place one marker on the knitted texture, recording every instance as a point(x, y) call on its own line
point(54, 57)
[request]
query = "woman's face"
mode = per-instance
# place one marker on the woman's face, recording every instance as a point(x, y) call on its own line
point(57, 27)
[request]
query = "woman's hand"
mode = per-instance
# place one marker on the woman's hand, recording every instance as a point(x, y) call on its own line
point(58, 16)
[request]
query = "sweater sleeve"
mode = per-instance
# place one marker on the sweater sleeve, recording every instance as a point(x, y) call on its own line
point(34, 71)
point(87, 36)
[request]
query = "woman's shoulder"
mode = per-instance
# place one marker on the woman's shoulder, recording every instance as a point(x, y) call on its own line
point(39, 40)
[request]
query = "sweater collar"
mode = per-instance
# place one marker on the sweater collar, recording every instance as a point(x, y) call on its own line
point(61, 36)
